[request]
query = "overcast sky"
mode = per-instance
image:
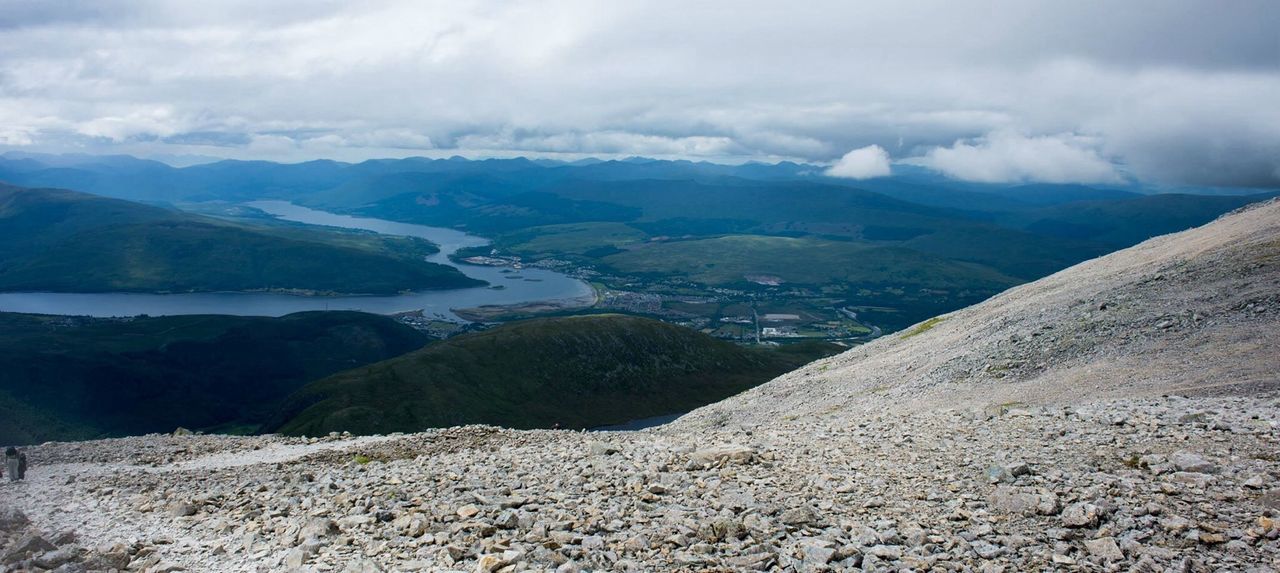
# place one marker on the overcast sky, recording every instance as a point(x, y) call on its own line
point(1162, 91)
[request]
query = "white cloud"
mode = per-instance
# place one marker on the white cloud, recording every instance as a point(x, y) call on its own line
point(603, 142)
point(1174, 90)
point(865, 163)
point(1009, 157)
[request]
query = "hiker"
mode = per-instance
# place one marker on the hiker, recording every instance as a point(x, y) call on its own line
point(11, 463)
point(22, 464)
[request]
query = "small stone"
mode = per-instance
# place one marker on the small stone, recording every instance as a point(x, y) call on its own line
point(636, 544)
point(55, 559)
point(507, 519)
point(1189, 462)
point(489, 563)
point(596, 448)
point(803, 515)
point(997, 473)
point(164, 567)
point(987, 550)
point(1019, 469)
point(817, 552)
point(1212, 538)
point(1175, 524)
point(1023, 501)
point(593, 542)
point(295, 558)
point(182, 509)
point(1104, 548)
point(886, 551)
point(318, 528)
point(724, 453)
point(1080, 515)
point(468, 511)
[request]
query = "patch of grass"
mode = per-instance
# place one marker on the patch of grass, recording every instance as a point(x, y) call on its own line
point(923, 327)
point(362, 459)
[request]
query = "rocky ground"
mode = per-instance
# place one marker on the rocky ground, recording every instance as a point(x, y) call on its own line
point(1123, 415)
point(1185, 484)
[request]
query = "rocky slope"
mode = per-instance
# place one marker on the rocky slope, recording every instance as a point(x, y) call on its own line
point(1141, 434)
point(1195, 312)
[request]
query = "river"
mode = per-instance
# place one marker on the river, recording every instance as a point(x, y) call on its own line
point(526, 285)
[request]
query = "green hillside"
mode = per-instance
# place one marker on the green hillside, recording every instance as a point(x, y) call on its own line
point(77, 378)
point(64, 241)
point(577, 372)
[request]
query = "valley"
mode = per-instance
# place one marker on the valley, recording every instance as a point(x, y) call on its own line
point(1121, 414)
point(766, 285)
point(705, 246)
point(630, 287)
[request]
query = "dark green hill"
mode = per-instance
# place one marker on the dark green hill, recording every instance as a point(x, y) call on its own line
point(578, 372)
point(76, 378)
point(64, 241)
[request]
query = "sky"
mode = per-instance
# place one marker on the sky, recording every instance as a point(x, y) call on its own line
point(1157, 91)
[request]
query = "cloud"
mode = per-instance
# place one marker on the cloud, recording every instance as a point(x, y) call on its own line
point(1178, 91)
point(1010, 157)
point(865, 163)
point(603, 142)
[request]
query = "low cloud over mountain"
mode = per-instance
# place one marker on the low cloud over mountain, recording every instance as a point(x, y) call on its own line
point(1179, 92)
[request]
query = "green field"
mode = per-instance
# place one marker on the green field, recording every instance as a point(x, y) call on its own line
point(573, 238)
point(731, 259)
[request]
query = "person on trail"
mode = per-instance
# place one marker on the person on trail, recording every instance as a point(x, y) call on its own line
point(11, 463)
point(22, 464)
